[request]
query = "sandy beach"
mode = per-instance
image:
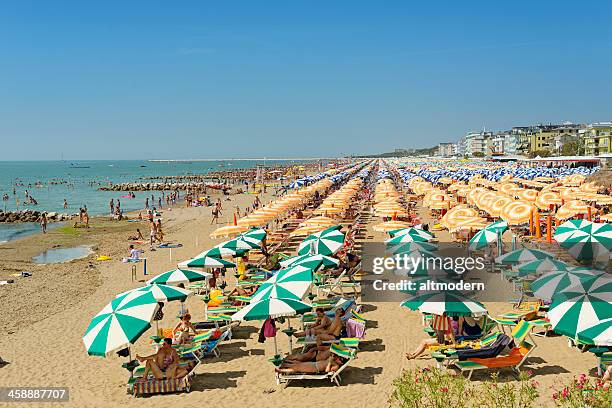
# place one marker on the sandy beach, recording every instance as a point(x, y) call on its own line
point(49, 312)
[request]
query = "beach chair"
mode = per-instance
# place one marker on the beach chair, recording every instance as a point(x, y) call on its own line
point(348, 354)
point(139, 386)
point(515, 359)
point(337, 284)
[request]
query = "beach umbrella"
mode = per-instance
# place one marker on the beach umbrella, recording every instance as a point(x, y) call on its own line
point(584, 239)
point(583, 306)
point(206, 262)
point(227, 231)
point(326, 242)
point(487, 235)
point(220, 251)
point(314, 261)
point(413, 231)
point(234, 247)
point(541, 266)
point(163, 293)
point(554, 282)
point(517, 212)
point(522, 255)
point(599, 334)
point(179, 276)
point(254, 235)
point(390, 226)
point(413, 246)
point(290, 283)
point(405, 238)
point(450, 303)
point(120, 323)
point(271, 308)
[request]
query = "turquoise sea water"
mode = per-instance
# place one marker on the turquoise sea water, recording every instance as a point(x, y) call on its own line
point(38, 176)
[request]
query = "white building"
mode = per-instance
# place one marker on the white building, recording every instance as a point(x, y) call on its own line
point(476, 143)
point(447, 149)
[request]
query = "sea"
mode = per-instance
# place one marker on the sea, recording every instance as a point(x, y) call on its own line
point(50, 182)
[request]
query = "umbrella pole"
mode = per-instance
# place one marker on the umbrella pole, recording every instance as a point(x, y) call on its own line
point(290, 336)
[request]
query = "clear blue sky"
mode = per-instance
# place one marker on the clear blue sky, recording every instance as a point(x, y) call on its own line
point(208, 79)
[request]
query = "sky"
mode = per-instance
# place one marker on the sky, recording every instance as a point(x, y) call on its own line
point(241, 79)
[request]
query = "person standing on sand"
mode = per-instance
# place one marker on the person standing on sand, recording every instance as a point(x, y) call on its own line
point(215, 215)
point(43, 223)
point(152, 233)
point(86, 217)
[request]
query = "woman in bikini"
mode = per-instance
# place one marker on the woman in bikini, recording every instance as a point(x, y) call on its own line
point(183, 328)
point(329, 365)
point(162, 364)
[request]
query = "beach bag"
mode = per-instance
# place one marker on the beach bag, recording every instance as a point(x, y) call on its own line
point(269, 329)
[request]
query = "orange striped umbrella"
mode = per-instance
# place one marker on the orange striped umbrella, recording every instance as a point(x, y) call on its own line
point(572, 208)
point(547, 198)
point(497, 205)
point(517, 212)
point(526, 194)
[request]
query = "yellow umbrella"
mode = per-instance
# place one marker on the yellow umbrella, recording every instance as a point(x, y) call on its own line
point(496, 206)
point(547, 198)
point(572, 208)
point(228, 230)
point(390, 226)
point(526, 194)
point(517, 212)
point(308, 229)
point(320, 220)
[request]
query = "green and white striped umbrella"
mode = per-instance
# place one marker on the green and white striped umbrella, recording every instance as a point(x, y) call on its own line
point(547, 285)
point(273, 308)
point(254, 235)
point(313, 262)
point(409, 235)
point(251, 239)
point(412, 231)
point(220, 251)
point(522, 255)
point(120, 323)
point(584, 239)
point(413, 246)
point(326, 242)
point(487, 235)
point(541, 266)
point(290, 283)
point(206, 262)
point(599, 334)
point(178, 276)
point(449, 303)
point(163, 293)
point(583, 307)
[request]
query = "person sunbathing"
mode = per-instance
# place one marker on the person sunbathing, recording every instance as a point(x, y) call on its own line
point(182, 329)
point(445, 334)
point(322, 322)
point(334, 331)
point(329, 365)
point(163, 364)
point(317, 353)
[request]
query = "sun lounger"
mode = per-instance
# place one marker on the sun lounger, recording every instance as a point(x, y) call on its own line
point(515, 359)
point(346, 353)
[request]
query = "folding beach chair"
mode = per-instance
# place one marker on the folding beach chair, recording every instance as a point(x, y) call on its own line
point(515, 359)
point(348, 354)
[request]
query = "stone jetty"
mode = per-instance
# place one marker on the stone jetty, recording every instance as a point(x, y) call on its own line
point(31, 216)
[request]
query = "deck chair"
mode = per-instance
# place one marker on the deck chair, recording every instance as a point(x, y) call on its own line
point(338, 284)
point(348, 354)
point(515, 359)
point(138, 386)
point(472, 344)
